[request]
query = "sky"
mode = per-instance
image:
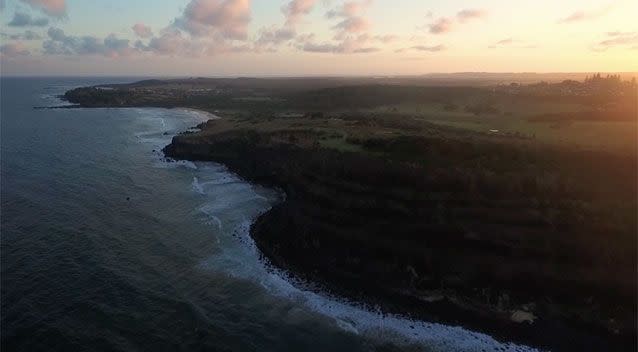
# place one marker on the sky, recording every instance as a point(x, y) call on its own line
point(315, 37)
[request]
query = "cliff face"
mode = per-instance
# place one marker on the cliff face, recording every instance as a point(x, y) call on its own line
point(420, 240)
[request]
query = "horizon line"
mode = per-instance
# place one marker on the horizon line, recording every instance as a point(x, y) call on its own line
point(321, 75)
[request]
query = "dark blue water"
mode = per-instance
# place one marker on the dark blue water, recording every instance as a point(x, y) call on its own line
point(106, 246)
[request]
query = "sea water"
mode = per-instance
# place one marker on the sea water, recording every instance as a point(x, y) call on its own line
point(106, 245)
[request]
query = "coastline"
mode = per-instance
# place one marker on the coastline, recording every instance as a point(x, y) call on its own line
point(403, 327)
point(205, 114)
point(330, 229)
point(410, 327)
point(451, 308)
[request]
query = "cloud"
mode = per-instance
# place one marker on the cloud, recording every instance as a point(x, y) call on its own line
point(296, 9)
point(355, 47)
point(621, 40)
point(27, 35)
point(513, 43)
point(170, 42)
point(366, 50)
point(470, 14)
point(447, 24)
point(174, 42)
point(581, 15)
point(275, 36)
point(350, 45)
point(336, 49)
point(226, 18)
point(211, 27)
point(350, 36)
point(618, 33)
point(305, 38)
point(574, 17)
point(206, 27)
point(386, 39)
point(352, 24)
point(319, 48)
point(116, 47)
point(61, 44)
point(349, 9)
point(442, 25)
point(21, 19)
point(142, 30)
point(53, 8)
point(432, 49)
point(350, 17)
point(56, 34)
point(12, 50)
point(617, 39)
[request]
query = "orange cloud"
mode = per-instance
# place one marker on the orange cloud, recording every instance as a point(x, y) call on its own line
point(446, 24)
point(228, 18)
point(442, 25)
point(580, 15)
point(470, 14)
point(617, 39)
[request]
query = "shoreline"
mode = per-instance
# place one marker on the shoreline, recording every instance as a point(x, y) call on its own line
point(510, 326)
point(363, 316)
point(401, 328)
point(206, 114)
point(359, 236)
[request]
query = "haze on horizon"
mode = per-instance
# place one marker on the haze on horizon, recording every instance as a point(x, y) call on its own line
point(315, 37)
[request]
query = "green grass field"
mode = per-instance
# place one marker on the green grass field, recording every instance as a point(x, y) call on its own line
point(612, 136)
point(513, 120)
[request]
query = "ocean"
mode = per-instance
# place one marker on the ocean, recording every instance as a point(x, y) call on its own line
point(108, 246)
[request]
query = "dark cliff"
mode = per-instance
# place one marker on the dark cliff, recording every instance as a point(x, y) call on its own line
point(469, 234)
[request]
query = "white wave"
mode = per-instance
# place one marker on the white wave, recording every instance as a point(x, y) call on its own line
point(197, 186)
point(240, 257)
point(258, 196)
point(219, 222)
point(201, 115)
point(347, 326)
point(358, 319)
point(174, 164)
point(223, 180)
point(52, 100)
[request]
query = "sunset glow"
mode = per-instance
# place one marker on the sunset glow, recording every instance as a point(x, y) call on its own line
point(312, 37)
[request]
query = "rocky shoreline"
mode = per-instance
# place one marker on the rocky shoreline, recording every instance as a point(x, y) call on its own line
point(530, 242)
point(355, 224)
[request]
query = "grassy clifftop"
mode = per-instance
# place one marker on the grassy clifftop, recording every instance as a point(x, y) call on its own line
point(599, 114)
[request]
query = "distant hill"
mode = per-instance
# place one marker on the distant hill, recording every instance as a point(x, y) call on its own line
point(518, 77)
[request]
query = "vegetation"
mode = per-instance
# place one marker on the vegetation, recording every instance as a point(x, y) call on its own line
point(497, 199)
point(476, 218)
point(600, 112)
